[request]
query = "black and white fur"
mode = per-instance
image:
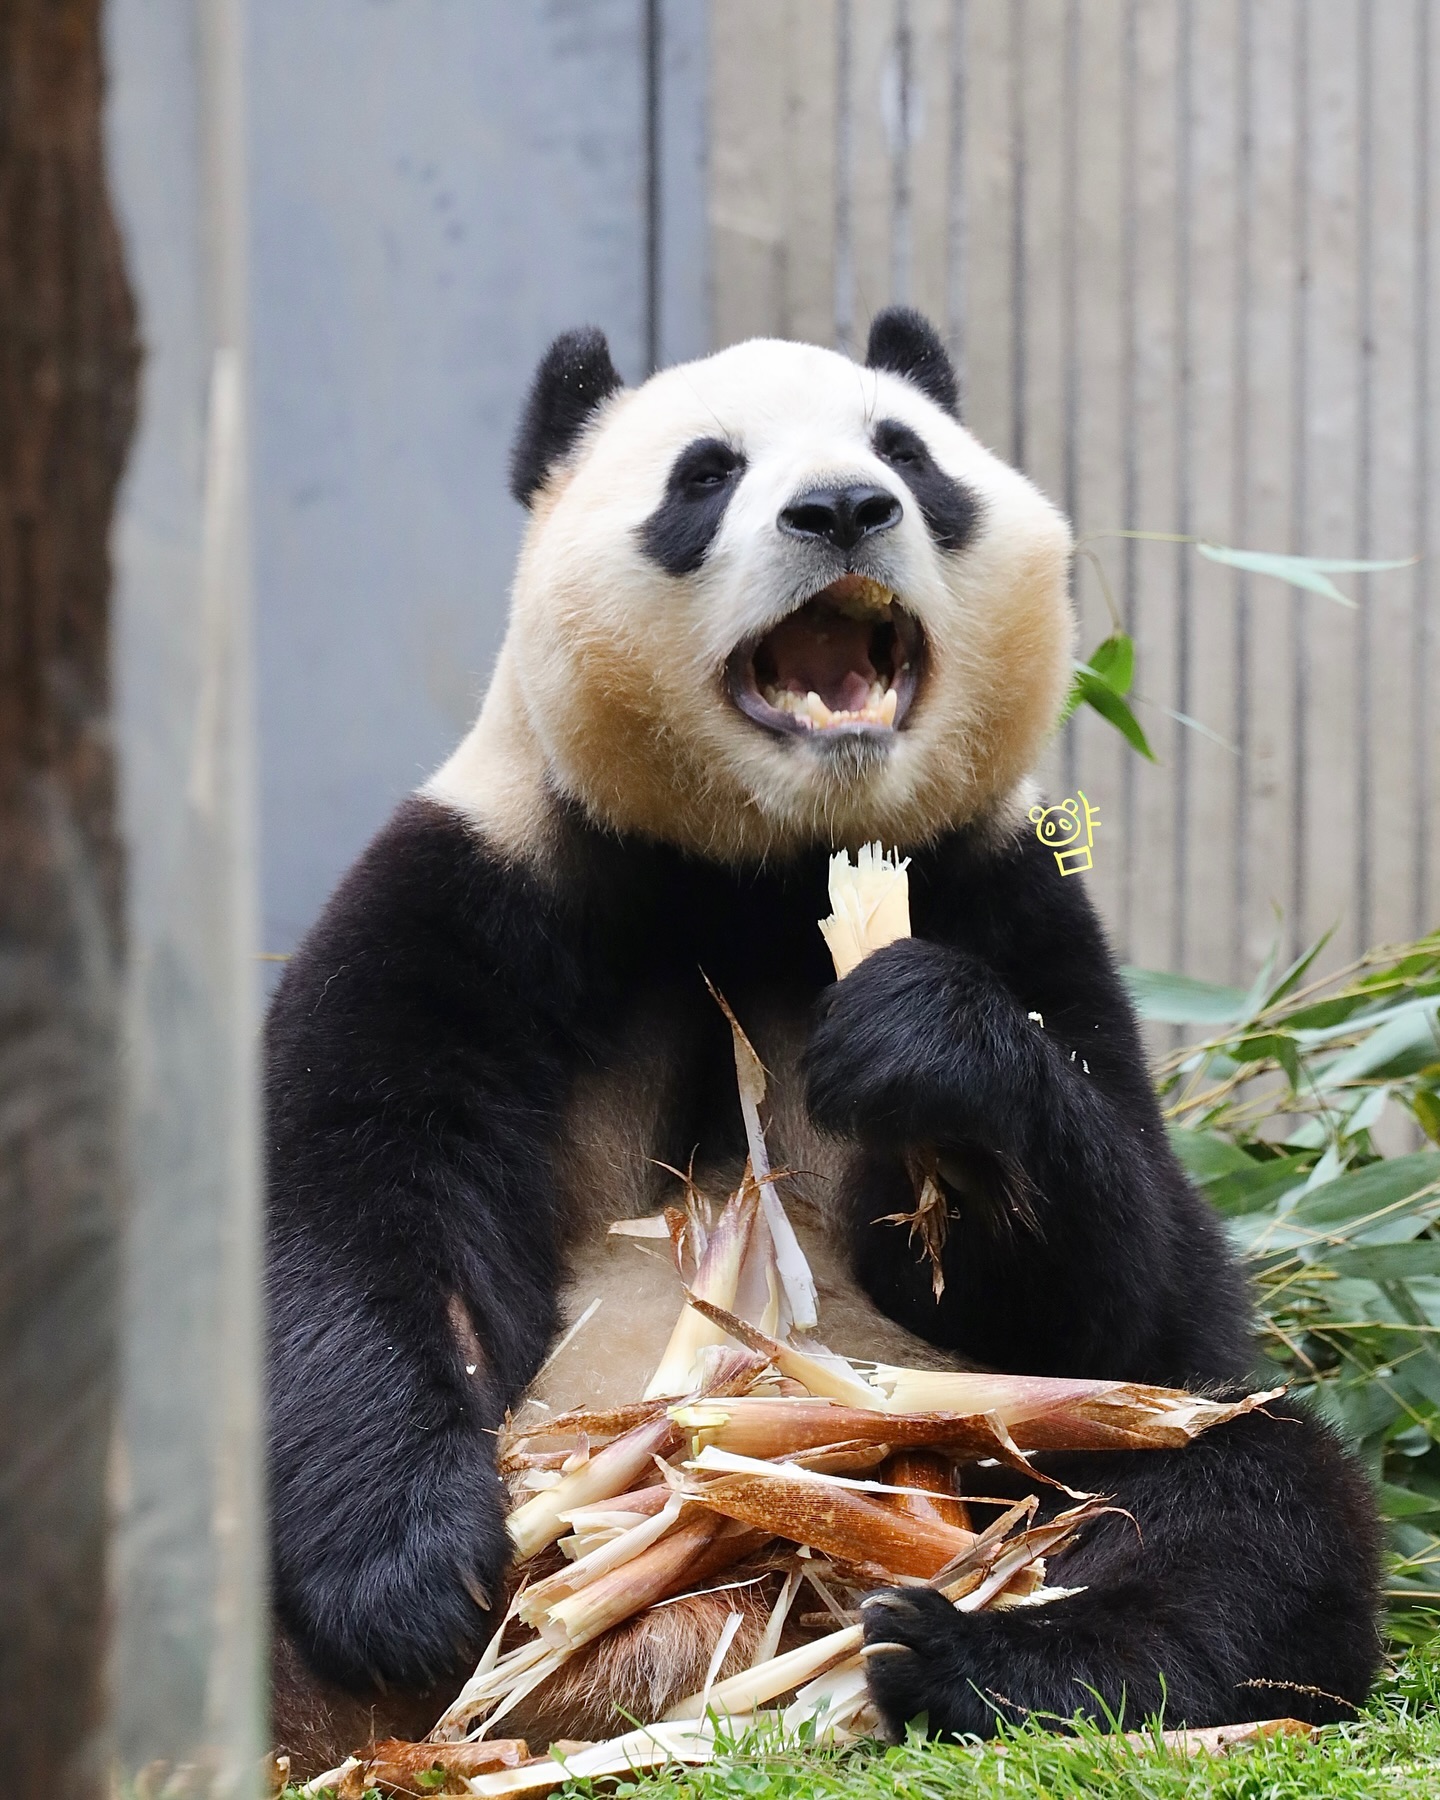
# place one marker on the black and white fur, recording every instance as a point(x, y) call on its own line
point(498, 1029)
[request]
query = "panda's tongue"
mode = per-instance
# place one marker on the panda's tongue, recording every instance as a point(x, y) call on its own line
point(824, 653)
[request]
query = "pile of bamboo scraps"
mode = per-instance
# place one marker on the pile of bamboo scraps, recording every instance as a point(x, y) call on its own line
point(698, 1559)
point(785, 1472)
point(812, 1481)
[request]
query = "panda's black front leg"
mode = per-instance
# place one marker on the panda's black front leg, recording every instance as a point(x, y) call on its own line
point(1238, 1582)
point(1097, 1258)
point(1242, 1583)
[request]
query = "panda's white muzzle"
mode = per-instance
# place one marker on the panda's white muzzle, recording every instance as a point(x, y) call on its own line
point(847, 663)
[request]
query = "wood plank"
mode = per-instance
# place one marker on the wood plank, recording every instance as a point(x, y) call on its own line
point(1096, 414)
point(1324, 773)
point(808, 298)
point(1151, 872)
point(1226, 346)
point(1388, 801)
point(749, 77)
point(991, 181)
point(931, 23)
point(1267, 253)
point(1205, 213)
point(872, 72)
point(1424, 638)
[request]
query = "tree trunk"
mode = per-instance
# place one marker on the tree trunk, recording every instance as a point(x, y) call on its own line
point(68, 374)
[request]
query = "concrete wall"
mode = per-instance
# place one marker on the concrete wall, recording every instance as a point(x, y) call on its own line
point(437, 188)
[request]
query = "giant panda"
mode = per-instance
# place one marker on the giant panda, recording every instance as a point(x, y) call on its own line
point(768, 604)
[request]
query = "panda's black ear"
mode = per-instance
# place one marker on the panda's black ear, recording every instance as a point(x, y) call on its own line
point(574, 377)
point(906, 343)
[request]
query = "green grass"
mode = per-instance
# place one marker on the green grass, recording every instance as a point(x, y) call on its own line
point(1392, 1750)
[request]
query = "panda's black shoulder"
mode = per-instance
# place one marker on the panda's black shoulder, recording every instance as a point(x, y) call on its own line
point(427, 900)
point(433, 946)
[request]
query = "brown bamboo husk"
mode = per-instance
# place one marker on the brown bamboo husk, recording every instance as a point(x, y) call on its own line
point(837, 1521)
point(931, 1488)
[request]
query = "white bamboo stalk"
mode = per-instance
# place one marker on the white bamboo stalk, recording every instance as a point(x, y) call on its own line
point(742, 1693)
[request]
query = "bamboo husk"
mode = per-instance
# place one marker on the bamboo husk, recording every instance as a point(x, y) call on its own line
point(724, 1369)
point(716, 1280)
point(836, 1520)
point(624, 1548)
point(931, 1492)
point(792, 1271)
point(577, 1617)
point(852, 1457)
point(826, 1376)
point(742, 1693)
point(693, 1742)
point(539, 1521)
point(397, 1765)
point(1218, 1740)
point(640, 1503)
point(998, 1414)
point(750, 1426)
point(688, 1554)
point(1049, 1413)
point(870, 902)
point(650, 1747)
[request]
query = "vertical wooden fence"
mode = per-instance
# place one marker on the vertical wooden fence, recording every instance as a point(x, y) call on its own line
point(1185, 256)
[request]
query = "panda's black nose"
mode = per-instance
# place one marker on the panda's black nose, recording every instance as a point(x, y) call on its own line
point(840, 515)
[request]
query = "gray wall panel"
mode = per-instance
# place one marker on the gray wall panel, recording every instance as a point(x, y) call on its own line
point(437, 188)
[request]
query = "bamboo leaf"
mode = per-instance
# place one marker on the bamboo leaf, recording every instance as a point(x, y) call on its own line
point(1114, 662)
point(1096, 693)
point(1166, 999)
point(1404, 1045)
point(1205, 1155)
point(1387, 1262)
point(1260, 1185)
point(1309, 572)
point(1405, 1503)
point(1363, 1192)
point(1295, 974)
point(1425, 1104)
point(1270, 1046)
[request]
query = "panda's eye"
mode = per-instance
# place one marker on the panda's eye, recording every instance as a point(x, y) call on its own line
point(704, 467)
point(899, 446)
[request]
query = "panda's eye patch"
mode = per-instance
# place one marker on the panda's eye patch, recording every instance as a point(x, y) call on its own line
point(899, 446)
point(704, 466)
point(950, 510)
point(681, 529)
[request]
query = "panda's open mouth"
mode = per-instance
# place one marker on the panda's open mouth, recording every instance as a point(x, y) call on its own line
point(847, 661)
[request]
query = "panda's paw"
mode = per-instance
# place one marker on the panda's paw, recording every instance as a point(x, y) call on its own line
point(900, 1052)
point(399, 1609)
point(923, 1661)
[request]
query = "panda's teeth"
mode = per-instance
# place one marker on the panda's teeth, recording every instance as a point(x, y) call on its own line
point(811, 711)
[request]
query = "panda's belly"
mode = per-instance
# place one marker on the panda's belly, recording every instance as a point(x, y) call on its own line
point(607, 1173)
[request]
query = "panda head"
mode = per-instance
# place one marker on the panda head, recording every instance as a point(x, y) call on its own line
point(773, 598)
